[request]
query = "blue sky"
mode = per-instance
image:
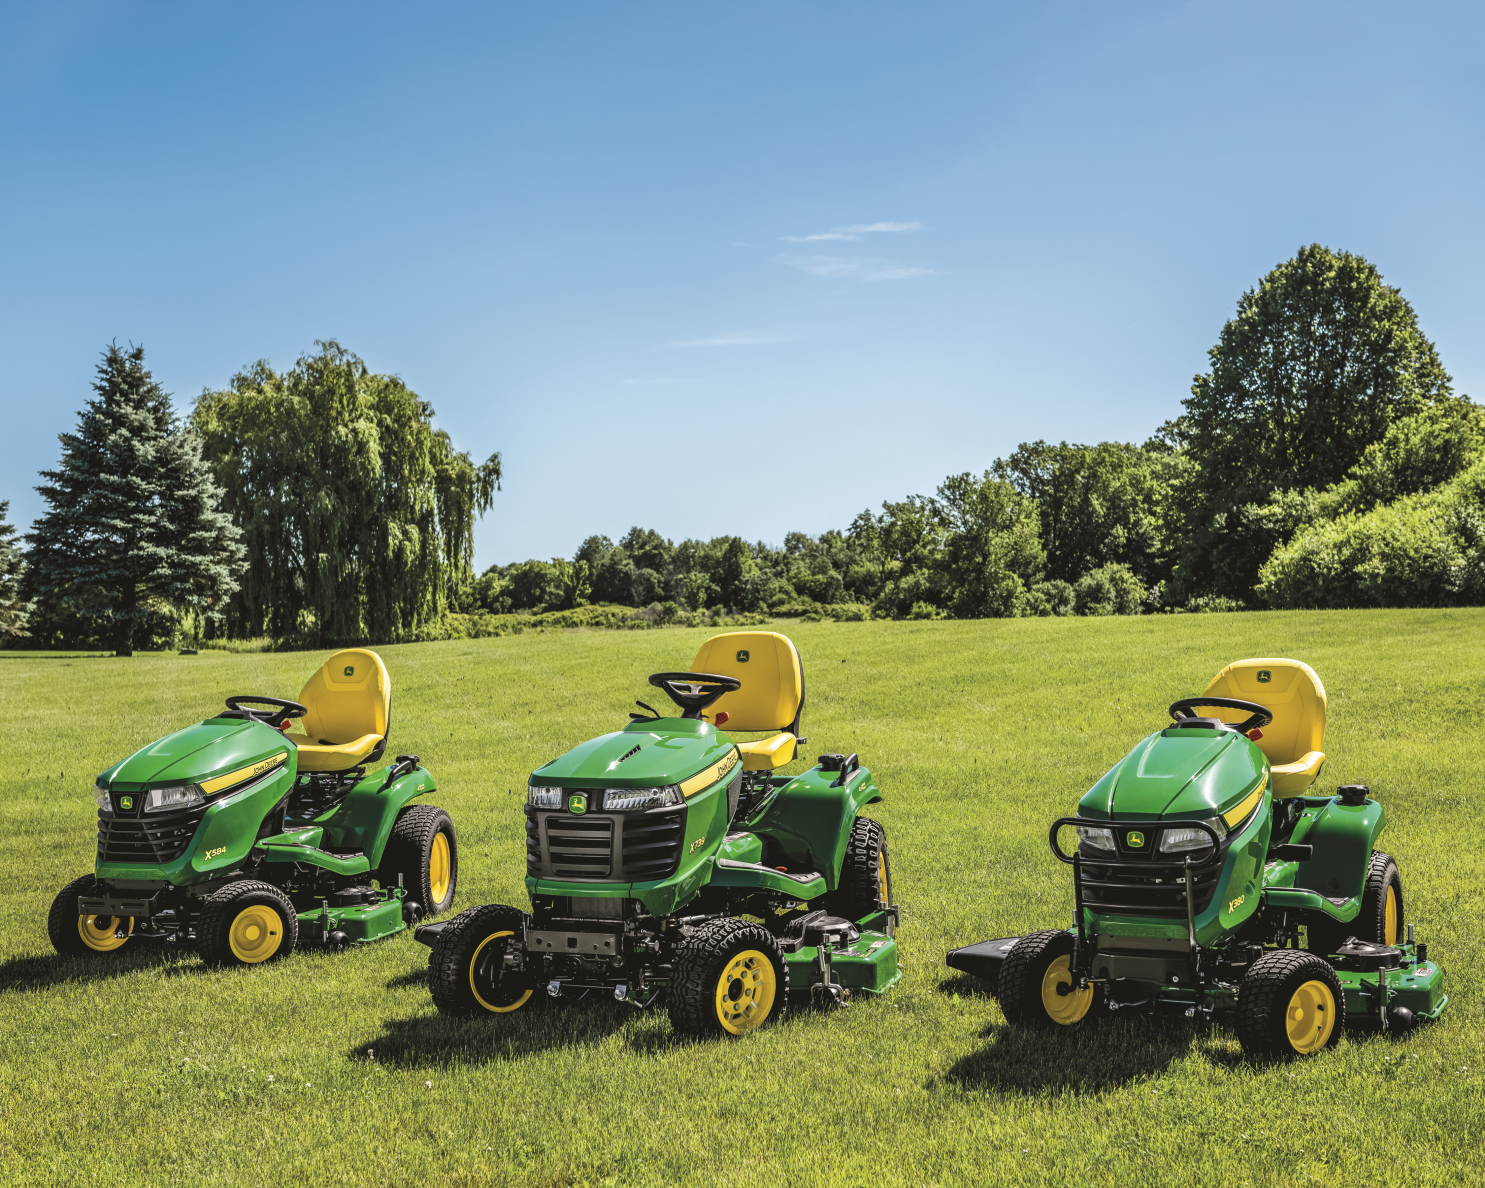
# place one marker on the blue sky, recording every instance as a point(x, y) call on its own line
point(716, 269)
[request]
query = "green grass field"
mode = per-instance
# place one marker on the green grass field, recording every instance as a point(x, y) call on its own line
point(152, 1069)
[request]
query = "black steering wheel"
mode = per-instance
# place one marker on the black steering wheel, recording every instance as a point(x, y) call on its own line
point(276, 719)
point(694, 691)
point(1262, 715)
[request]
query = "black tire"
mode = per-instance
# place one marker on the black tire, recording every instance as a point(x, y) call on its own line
point(66, 929)
point(411, 853)
point(729, 979)
point(1371, 923)
point(466, 967)
point(247, 923)
point(1275, 1020)
point(1029, 980)
point(865, 874)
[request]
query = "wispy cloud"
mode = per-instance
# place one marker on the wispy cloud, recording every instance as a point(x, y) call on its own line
point(751, 338)
point(853, 232)
point(853, 268)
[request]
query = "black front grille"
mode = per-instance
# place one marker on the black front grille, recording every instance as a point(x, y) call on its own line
point(1158, 891)
point(627, 847)
point(158, 838)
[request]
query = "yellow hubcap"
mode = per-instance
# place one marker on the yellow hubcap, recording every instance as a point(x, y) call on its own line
point(745, 992)
point(884, 885)
point(99, 932)
point(474, 961)
point(439, 869)
point(1389, 926)
point(256, 934)
point(1311, 1017)
point(1071, 1005)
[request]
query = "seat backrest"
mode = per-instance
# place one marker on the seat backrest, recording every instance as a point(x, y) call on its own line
point(767, 664)
point(1289, 688)
point(349, 697)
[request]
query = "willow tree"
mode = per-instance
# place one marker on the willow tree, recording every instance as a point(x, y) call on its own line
point(358, 516)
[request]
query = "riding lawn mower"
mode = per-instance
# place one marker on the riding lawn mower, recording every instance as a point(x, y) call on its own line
point(248, 839)
point(1209, 881)
point(668, 861)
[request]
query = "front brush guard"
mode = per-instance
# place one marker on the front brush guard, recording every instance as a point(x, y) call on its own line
point(1141, 866)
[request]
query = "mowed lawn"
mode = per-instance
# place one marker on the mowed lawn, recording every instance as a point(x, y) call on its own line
point(152, 1069)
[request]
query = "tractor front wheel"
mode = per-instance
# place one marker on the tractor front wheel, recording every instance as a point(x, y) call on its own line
point(467, 971)
point(1037, 987)
point(247, 923)
point(865, 874)
point(424, 851)
point(729, 979)
point(73, 935)
point(1289, 1004)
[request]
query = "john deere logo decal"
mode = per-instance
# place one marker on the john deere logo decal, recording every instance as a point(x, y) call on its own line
point(742, 656)
point(350, 670)
point(1264, 676)
point(126, 803)
point(577, 803)
point(1136, 839)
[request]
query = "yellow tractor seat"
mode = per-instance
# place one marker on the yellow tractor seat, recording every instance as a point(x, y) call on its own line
point(1294, 742)
point(350, 712)
point(771, 697)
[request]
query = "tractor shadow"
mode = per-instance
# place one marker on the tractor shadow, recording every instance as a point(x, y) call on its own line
point(1115, 1053)
point(437, 1041)
point(20, 975)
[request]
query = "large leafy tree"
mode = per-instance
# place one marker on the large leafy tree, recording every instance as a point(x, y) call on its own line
point(131, 523)
point(1321, 359)
point(13, 607)
point(358, 516)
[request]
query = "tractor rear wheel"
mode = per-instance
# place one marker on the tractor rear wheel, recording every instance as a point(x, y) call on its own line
point(1289, 1004)
point(1036, 987)
point(466, 970)
point(424, 851)
point(84, 936)
point(247, 923)
point(729, 979)
point(865, 874)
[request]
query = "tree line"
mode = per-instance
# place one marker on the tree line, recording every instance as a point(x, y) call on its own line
point(1323, 460)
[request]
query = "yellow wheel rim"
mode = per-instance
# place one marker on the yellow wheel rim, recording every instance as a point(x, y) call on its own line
point(1067, 1008)
point(1310, 1017)
point(256, 933)
point(474, 960)
point(98, 932)
point(1389, 925)
point(884, 883)
point(745, 992)
point(440, 867)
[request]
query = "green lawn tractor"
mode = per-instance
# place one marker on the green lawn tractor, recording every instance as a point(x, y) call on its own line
point(668, 860)
point(248, 839)
point(1210, 882)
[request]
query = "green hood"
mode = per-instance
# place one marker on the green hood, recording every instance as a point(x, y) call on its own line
point(1185, 773)
point(646, 754)
point(218, 746)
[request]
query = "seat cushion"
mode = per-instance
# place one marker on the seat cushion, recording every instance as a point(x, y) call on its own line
point(767, 753)
point(1293, 779)
point(333, 757)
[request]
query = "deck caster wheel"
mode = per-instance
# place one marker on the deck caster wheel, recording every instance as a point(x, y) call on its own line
point(337, 942)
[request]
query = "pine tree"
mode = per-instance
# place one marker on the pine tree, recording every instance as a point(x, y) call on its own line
point(131, 523)
point(13, 609)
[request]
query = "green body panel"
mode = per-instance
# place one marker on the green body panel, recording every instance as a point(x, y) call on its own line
point(647, 754)
point(1178, 773)
point(1344, 836)
point(364, 819)
point(362, 923)
point(230, 826)
point(295, 854)
point(808, 823)
point(766, 878)
point(741, 847)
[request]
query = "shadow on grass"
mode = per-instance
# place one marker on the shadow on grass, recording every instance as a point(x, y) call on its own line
point(413, 977)
point(1113, 1054)
point(540, 1026)
point(22, 974)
